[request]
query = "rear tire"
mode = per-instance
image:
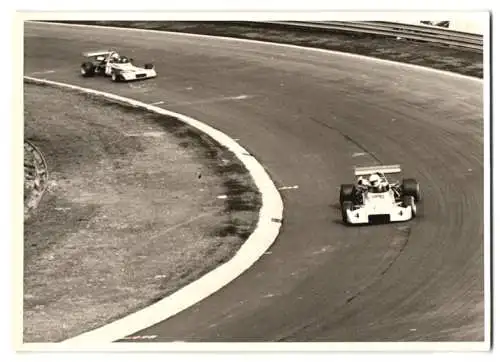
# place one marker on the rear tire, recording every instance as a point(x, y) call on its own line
point(412, 188)
point(409, 200)
point(346, 193)
point(148, 66)
point(115, 77)
point(347, 205)
point(87, 69)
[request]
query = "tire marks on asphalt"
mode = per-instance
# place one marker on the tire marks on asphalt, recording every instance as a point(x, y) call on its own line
point(396, 247)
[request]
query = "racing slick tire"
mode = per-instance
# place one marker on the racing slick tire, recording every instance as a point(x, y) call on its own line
point(412, 188)
point(148, 66)
point(409, 200)
point(115, 77)
point(100, 70)
point(87, 69)
point(346, 193)
point(347, 205)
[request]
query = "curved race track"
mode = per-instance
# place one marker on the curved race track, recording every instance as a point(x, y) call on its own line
point(309, 117)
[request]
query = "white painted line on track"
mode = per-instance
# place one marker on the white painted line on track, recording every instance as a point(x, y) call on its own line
point(134, 338)
point(43, 72)
point(294, 187)
point(261, 42)
point(145, 134)
point(210, 100)
point(157, 103)
point(137, 86)
point(258, 242)
point(357, 154)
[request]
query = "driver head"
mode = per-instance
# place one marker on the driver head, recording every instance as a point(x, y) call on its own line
point(374, 180)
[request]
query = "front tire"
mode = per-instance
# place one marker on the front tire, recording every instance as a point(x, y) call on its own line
point(412, 188)
point(347, 205)
point(409, 200)
point(100, 70)
point(148, 66)
point(115, 77)
point(346, 193)
point(87, 69)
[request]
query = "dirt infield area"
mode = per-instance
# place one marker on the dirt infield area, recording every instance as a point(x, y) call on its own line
point(137, 206)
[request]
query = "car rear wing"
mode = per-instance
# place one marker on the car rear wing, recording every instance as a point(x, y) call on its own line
point(368, 170)
point(96, 52)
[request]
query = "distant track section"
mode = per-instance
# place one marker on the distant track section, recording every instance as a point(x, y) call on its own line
point(422, 32)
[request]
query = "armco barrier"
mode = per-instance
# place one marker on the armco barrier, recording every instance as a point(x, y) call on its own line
point(419, 32)
point(422, 32)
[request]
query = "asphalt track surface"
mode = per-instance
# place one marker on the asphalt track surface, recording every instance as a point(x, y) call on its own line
point(309, 117)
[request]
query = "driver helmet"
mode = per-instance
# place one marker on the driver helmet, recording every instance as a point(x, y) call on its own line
point(374, 180)
point(115, 56)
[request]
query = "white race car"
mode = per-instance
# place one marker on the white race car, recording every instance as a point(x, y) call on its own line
point(119, 68)
point(377, 200)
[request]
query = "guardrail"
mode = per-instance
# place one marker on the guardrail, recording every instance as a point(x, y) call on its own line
point(426, 33)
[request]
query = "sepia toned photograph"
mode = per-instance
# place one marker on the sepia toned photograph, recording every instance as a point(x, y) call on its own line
point(264, 182)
